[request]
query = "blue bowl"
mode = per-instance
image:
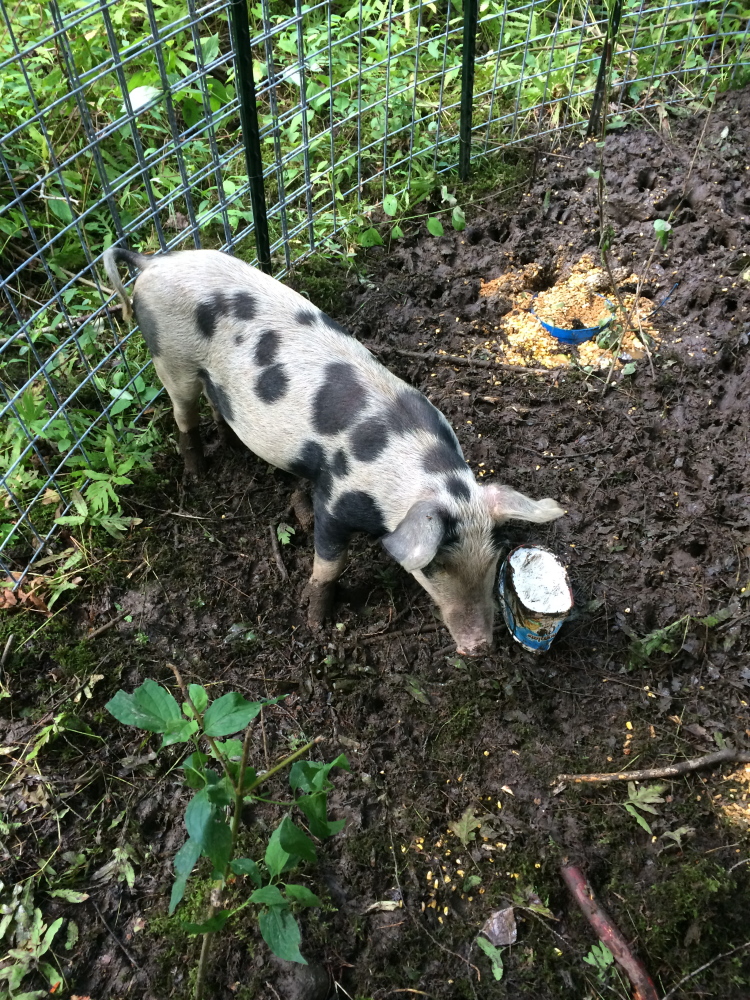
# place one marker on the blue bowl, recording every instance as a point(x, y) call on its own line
point(574, 337)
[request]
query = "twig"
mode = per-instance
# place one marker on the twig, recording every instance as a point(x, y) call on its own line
point(726, 756)
point(107, 625)
point(115, 938)
point(454, 359)
point(608, 933)
point(277, 552)
point(702, 968)
point(415, 630)
point(11, 640)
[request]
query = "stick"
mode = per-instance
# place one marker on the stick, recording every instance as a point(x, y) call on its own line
point(277, 552)
point(107, 625)
point(115, 938)
point(454, 359)
point(702, 968)
point(8, 650)
point(602, 923)
point(726, 756)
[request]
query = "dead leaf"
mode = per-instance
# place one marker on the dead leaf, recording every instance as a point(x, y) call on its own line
point(177, 221)
point(500, 928)
point(464, 828)
point(384, 906)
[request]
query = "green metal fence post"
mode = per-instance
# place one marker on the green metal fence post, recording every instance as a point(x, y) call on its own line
point(471, 12)
point(243, 62)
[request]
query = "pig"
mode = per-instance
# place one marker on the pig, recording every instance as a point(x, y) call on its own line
point(307, 397)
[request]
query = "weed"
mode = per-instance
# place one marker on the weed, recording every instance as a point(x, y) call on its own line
point(218, 793)
point(601, 958)
point(642, 799)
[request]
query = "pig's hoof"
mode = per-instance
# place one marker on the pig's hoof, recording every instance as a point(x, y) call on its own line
point(320, 603)
point(303, 509)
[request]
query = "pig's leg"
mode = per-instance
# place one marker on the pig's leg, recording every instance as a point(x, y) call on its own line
point(184, 391)
point(322, 587)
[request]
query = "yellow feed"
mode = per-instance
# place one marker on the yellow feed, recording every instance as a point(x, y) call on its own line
point(518, 338)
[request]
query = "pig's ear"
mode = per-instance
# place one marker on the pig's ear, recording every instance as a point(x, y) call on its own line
point(416, 540)
point(504, 503)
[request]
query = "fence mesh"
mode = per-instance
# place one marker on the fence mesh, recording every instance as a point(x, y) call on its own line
point(120, 123)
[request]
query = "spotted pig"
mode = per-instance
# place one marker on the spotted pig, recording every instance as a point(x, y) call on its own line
point(307, 397)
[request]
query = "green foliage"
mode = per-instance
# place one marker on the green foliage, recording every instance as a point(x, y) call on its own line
point(662, 229)
point(669, 639)
point(222, 782)
point(601, 958)
point(642, 799)
point(28, 940)
point(495, 956)
point(284, 533)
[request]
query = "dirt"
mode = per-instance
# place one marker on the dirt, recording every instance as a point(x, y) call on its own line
point(654, 478)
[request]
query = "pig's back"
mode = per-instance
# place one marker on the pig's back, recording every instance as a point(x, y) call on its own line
point(296, 388)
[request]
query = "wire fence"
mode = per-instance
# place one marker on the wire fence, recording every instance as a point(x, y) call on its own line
point(163, 125)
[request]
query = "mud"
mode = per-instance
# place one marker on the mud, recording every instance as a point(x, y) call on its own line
point(654, 477)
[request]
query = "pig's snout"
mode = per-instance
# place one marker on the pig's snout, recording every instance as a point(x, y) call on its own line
point(478, 647)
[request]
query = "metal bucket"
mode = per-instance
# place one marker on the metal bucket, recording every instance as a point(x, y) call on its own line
point(535, 595)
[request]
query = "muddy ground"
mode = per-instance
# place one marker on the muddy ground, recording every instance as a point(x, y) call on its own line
point(654, 477)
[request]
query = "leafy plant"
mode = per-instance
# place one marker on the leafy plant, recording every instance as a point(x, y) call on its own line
point(222, 781)
point(642, 799)
point(29, 939)
point(670, 638)
point(284, 533)
point(601, 958)
point(494, 954)
point(662, 229)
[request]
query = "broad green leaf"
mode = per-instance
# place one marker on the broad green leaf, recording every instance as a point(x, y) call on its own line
point(180, 732)
point(303, 895)
point(276, 858)
point(198, 816)
point(221, 792)
point(229, 714)
point(231, 748)
point(315, 808)
point(471, 882)
point(435, 226)
point(370, 238)
point(458, 219)
point(184, 862)
point(71, 935)
point(217, 844)
point(49, 934)
point(149, 707)
point(390, 204)
point(312, 776)
point(69, 895)
point(294, 841)
point(214, 923)
point(629, 368)
point(494, 955)
point(397, 233)
point(269, 895)
point(246, 866)
point(195, 771)
point(199, 698)
point(661, 226)
point(281, 933)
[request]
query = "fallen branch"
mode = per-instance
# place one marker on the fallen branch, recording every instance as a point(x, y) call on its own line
point(107, 625)
point(726, 756)
point(608, 934)
point(277, 552)
point(702, 968)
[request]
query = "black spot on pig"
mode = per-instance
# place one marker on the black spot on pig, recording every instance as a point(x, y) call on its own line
point(147, 323)
point(368, 439)
point(243, 306)
point(267, 348)
point(339, 400)
point(208, 313)
point(458, 488)
point(310, 462)
point(354, 510)
point(360, 512)
point(216, 394)
point(333, 325)
point(272, 384)
point(443, 458)
point(340, 464)
point(412, 412)
point(305, 317)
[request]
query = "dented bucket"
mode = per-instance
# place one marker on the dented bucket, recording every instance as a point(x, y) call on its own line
point(535, 595)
